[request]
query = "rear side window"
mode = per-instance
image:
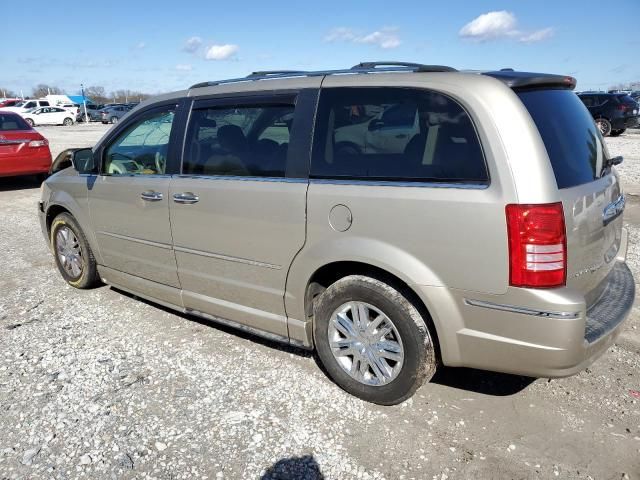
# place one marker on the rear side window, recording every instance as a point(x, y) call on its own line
point(573, 142)
point(9, 123)
point(245, 141)
point(395, 134)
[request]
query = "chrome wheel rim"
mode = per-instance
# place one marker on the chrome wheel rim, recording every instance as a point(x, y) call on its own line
point(69, 252)
point(365, 343)
point(602, 126)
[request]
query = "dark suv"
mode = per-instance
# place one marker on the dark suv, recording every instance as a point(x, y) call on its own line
point(613, 112)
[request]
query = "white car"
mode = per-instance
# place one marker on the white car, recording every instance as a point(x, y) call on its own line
point(70, 107)
point(48, 116)
point(27, 105)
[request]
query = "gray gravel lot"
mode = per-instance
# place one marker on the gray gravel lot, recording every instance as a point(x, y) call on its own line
point(98, 384)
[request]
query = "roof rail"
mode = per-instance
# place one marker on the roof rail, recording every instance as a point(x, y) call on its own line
point(364, 67)
point(416, 67)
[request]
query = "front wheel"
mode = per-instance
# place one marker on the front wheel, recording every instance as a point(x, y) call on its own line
point(72, 252)
point(114, 119)
point(617, 133)
point(604, 126)
point(67, 122)
point(30, 122)
point(372, 340)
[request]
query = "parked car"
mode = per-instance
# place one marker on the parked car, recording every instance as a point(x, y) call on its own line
point(93, 113)
point(612, 112)
point(72, 108)
point(26, 105)
point(114, 113)
point(23, 151)
point(9, 102)
point(477, 243)
point(49, 116)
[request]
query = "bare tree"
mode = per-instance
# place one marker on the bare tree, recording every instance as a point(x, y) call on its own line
point(7, 93)
point(42, 90)
point(126, 96)
point(626, 86)
point(97, 94)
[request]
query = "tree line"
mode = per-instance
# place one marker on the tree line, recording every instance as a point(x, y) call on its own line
point(95, 92)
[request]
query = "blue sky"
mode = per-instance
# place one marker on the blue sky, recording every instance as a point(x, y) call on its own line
point(155, 48)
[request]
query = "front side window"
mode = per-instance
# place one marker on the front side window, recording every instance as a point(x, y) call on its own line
point(142, 148)
point(396, 134)
point(30, 105)
point(238, 141)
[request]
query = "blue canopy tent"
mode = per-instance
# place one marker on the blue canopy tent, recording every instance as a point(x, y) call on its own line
point(79, 99)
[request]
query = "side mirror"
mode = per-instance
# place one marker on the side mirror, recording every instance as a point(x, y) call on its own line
point(81, 159)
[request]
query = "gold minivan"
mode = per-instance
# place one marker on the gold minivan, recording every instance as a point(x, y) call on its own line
point(393, 217)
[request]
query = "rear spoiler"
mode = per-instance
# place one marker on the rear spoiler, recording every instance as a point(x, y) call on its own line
point(524, 80)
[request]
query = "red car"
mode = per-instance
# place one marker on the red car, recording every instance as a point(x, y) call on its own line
point(9, 102)
point(23, 151)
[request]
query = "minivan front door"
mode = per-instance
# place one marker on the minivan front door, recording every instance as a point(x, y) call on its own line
point(237, 218)
point(129, 200)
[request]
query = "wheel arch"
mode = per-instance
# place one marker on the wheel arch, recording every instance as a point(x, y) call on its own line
point(330, 273)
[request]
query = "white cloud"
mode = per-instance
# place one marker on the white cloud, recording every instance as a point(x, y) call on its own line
point(140, 46)
point(192, 44)
point(501, 24)
point(490, 25)
point(385, 38)
point(221, 52)
point(184, 67)
point(537, 36)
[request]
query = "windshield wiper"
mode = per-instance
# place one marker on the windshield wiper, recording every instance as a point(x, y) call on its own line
point(610, 162)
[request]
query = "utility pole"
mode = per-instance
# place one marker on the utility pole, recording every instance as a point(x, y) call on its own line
point(84, 102)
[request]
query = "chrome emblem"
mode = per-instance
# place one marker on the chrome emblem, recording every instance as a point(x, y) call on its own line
point(613, 210)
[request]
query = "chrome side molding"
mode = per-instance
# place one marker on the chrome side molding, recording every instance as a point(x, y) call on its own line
point(522, 310)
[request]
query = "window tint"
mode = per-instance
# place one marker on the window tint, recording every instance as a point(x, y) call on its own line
point(44, 104)
point(12, 122)
point(395, 134)
point(30, 105)
point(573, 142)
point(241, 141)
point(142, 148)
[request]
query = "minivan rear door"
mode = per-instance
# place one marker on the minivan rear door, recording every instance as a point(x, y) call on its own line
point(590, 194)
point(238, 206)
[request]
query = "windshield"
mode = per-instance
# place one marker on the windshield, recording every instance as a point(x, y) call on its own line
point(573, 142)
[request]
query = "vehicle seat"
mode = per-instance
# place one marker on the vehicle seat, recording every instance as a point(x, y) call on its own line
point(230, 160)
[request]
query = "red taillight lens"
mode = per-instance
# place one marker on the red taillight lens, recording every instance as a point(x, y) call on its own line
point(622, 107)
point(537, 245)
point(38, 143)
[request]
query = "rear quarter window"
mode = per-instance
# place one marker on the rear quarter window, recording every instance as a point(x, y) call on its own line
point(395, 134)
point(573, 142)
point(10, 123)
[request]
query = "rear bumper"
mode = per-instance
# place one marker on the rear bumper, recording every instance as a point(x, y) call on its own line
point(539, 333)
point(625, 122)
point(37, 161)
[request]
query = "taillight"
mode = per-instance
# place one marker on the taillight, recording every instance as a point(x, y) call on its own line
point(622, 107)
point(537, 245)
point(38, 143)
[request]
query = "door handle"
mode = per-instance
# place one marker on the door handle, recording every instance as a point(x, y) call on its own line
point(186, 198)
point(151, 196)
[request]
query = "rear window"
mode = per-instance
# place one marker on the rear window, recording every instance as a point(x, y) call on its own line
point(395, 134)
point(573, 142)
point(9, 123)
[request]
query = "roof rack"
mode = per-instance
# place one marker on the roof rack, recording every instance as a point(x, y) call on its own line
point(364, 67)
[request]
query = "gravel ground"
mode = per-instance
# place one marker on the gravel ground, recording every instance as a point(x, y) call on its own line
point(98, 384)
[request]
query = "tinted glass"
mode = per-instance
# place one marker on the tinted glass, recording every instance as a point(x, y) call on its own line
point(12, 122)
point(142, 148)
point(573, 142)
point(44, 103)
point(243, 141)
point(395, 134)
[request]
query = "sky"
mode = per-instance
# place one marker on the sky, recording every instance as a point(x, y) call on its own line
point(164, 46)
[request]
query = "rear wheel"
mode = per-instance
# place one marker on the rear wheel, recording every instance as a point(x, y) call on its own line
point(616, 133)
point(114, 119)
point(604, 126)
point(372, 340)
point(30, 122)
point(72, 252)
point(67, 122)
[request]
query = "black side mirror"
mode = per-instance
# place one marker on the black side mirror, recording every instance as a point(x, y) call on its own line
point(81, 159)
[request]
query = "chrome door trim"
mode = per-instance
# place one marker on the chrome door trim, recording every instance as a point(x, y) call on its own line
point(151, 196)
point(396, 183)
point(522, 310)
point(186, 198)
point(243, 179)
point(136, 240)
point(227, 258)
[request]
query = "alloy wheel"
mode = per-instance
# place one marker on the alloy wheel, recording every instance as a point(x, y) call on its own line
point(69, 252)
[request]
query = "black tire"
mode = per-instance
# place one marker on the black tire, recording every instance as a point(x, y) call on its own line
point(68, 122)
point(617, 133)
point(30, 122)
point(88, 276)
point(420, 360)
point(114, 120)
point(604, 125)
